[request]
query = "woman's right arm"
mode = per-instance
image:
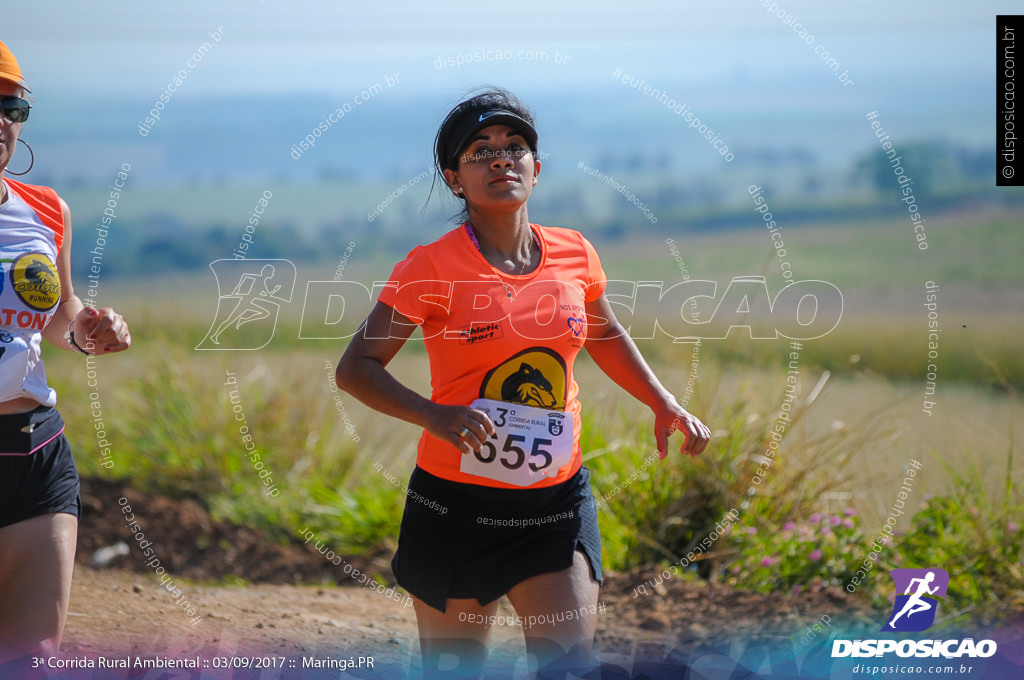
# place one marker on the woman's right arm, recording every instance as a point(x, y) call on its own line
point(362, 373)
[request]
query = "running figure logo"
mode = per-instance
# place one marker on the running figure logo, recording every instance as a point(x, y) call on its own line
point(257, 288)
point(915, 609)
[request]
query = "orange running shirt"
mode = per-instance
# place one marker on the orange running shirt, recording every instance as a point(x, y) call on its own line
point(484, 345)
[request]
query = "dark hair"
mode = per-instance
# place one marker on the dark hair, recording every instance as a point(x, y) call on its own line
point(484, 98)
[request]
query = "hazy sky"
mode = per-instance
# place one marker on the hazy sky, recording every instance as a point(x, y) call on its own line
point(926, 65)
point(127, 47)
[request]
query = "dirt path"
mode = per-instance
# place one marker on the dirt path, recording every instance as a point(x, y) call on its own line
point(118, 614)
point(125, 610)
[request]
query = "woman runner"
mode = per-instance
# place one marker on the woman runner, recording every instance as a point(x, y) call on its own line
point(39, 503)
point(499, 502)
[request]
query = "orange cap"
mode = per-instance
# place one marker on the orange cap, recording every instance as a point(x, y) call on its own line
point(9, 69)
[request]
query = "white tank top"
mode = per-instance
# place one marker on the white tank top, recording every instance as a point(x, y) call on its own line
point(31, 233)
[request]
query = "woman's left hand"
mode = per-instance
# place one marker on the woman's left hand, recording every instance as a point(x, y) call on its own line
point(104, 328)
point(670, 417)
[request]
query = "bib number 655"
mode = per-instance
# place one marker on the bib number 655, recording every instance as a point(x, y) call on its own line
point(488, 452)
point(528, 445)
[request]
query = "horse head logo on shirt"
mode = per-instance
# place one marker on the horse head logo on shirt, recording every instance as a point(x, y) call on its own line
point(528, 386)
point(534, 377)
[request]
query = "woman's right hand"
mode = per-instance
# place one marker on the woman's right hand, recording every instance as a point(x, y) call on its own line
point(362, 372)
point(463, 427)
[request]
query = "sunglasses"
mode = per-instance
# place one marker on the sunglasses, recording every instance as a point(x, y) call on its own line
point(15, 109)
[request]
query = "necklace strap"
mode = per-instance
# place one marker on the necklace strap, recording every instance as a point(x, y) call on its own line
point(476, 242)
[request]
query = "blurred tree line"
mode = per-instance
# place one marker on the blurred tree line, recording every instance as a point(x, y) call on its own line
point(945, 177)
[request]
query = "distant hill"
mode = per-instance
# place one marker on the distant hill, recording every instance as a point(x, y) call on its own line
point(620, 131)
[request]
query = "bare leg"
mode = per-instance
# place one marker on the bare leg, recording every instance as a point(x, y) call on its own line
point(559, 635)
point(37, 557)
point(453, 644)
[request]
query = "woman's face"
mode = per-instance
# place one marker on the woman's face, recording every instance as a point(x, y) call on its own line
point(496, 171)
point(8, 131)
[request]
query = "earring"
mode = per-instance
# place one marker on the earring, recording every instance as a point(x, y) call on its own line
point(31, 162)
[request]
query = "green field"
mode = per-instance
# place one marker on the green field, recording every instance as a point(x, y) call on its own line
point(167, 414)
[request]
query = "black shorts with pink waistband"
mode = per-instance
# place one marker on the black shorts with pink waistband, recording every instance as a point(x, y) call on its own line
point(37, 471)
point(470, 541)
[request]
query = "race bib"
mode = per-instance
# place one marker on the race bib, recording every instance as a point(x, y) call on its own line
point(529, 443)
point(14, 365)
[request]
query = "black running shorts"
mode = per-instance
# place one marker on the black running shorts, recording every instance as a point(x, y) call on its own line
point(37, 471)
point(469, 541)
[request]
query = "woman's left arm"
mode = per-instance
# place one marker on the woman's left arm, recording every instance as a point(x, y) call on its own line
point(616, 354)
point(104, 328)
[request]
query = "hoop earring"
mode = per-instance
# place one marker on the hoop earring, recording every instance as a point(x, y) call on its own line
point(31, 163)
